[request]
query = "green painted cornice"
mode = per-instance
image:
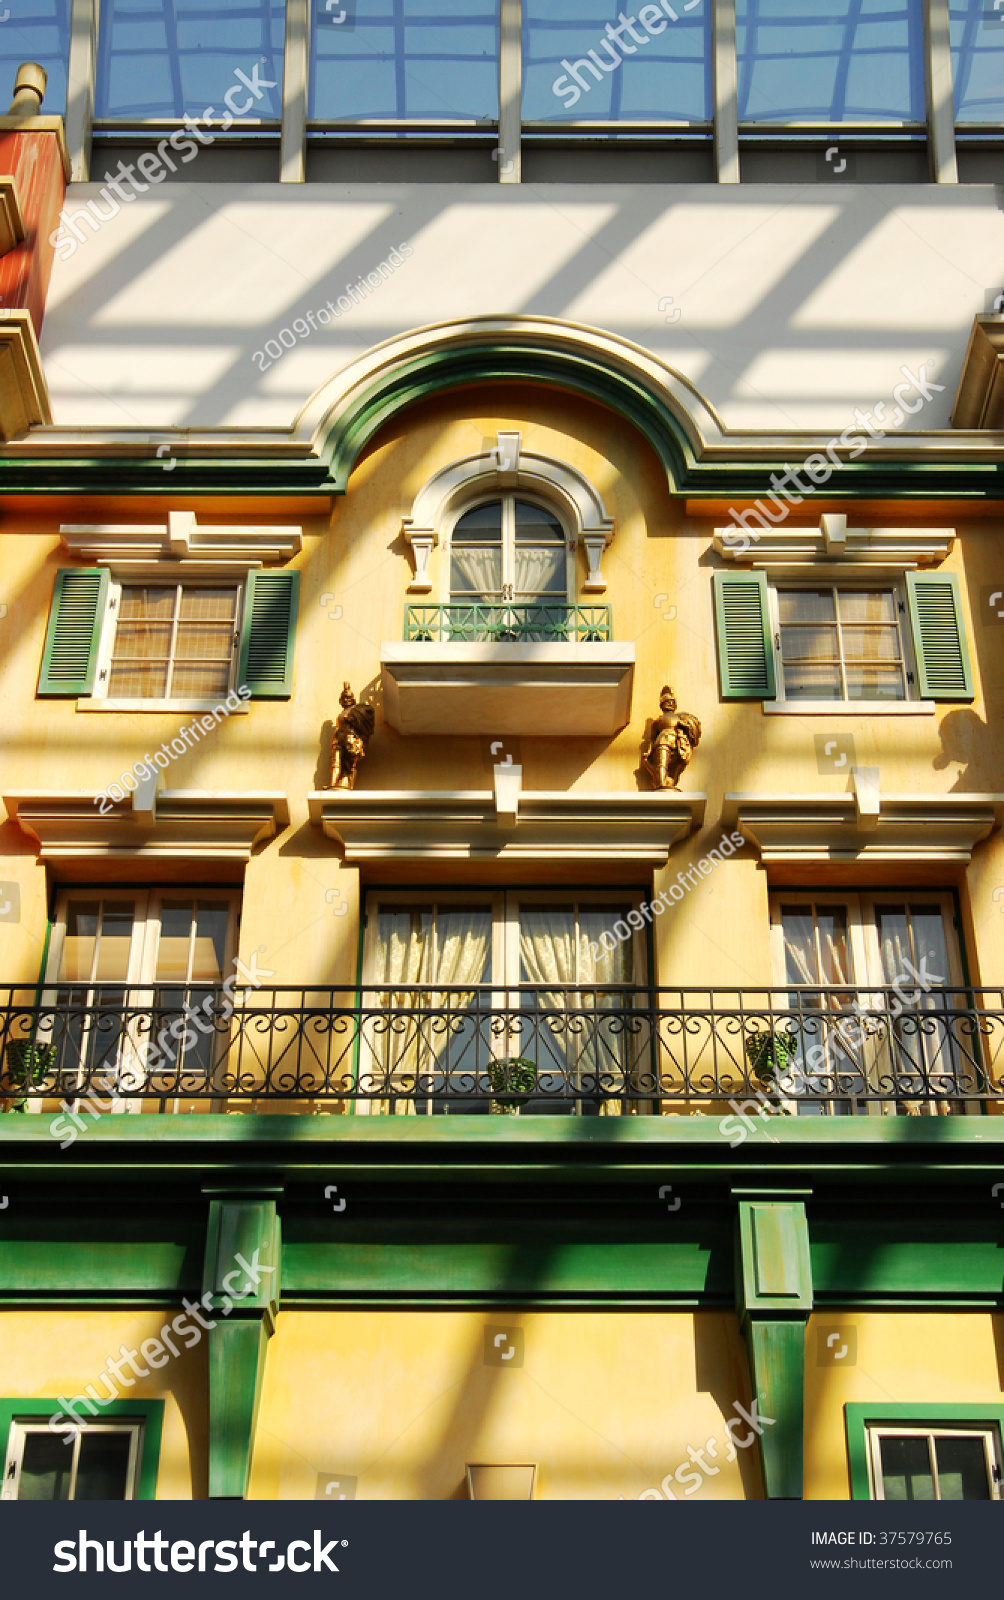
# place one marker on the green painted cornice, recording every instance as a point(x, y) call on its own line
point(315, 456)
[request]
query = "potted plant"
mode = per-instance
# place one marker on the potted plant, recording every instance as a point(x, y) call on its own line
point(512, 1082)
point(27, 1065)
point(769, 1054)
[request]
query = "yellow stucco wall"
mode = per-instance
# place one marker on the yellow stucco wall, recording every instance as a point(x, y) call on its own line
point(605, 1403)
point(927, 1358)
point(53, 1353)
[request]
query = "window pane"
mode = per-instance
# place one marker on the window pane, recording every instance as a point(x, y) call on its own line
point(210, 942)
point(977, 61)
point(867, 605)
point(875, 683)
point(116, 942)
point(606, 966)
point(799, 945)
point(166, 58)
point(475, 572)
point(540, 572)
point(480, 526)
point(834, 959)
point(46, 1463)
point(78, 948)
point(572, 68)
point(103, 1467)
point(805, 605)
point(175, 940)
point(830, 60)
point(534, 525)
point(405, 58)
point(807, 681)
point(962, 1469)
point(37, 30)
point(906, 1469)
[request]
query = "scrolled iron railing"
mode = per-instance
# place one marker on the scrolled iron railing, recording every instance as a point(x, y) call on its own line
point(504, 623)
point(525, 1050)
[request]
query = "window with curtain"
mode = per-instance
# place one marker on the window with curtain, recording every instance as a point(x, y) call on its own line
point(172, 58)
point(830, 60)
point(508, 550)
point(395, 59)
point(551, 994)
point(837, 949)
point(574, 69)
point(977, 61)
point(174, 642)
point(37, 30)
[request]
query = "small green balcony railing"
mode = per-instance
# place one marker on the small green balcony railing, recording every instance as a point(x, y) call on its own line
point(556, 623)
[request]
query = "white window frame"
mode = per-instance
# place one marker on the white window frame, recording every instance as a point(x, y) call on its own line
point(988, 1432)
point(20, 1429)
point(508, 497)
point(99, 698)
point(827, 580)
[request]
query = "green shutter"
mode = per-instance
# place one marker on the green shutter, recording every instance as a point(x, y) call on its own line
point(71, 640)
point(267, 632)
point(939, 636)
point(745, 657)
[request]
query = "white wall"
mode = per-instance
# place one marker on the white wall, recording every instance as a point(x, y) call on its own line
point(797, 303)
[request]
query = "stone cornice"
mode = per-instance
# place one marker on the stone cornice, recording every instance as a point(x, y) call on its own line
point(182, 824)
point(864, 825)
point(180, 539)
point(24, 396)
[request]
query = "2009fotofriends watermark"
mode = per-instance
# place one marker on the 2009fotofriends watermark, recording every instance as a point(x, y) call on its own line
point(623, 928)
point(146, 767)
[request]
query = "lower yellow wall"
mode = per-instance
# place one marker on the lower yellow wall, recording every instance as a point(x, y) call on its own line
point(605, 1403)
point(52, 1353)
point(923, 1358)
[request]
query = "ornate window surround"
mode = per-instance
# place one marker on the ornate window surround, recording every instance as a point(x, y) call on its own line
point(463, 483)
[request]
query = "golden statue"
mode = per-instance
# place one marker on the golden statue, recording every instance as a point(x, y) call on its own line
point(675, 737)
point(353, 732)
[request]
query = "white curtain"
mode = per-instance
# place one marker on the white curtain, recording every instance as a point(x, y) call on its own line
point(418, 945)
point(536, 570)
point(475, 571)
point(593, 1053)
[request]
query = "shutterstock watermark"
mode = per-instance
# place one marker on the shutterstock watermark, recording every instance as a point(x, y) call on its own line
point(154, 168)
point(653, 19)
point(690, 1475)
point(156, 1351)
point(819, 467)
point(845, 1030)
point(108, 1089)
point(302, 327)
point(145, 769)
point(622, 929)
point(72, 1554)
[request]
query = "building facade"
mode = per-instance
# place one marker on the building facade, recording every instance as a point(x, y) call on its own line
point(500, 888)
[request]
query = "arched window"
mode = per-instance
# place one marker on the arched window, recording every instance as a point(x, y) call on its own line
point(509, 551)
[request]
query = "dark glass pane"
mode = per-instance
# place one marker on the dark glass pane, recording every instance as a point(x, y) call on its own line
point(483, 525)
point(37, 30)
point(169, 58)
point(534, 525)
point(977, 61)
point(962, 1469)
point(46, 1464)
point(906, 1468)
point(830, 60)
point(103, 1468)
point(657, 70)
point(404, 58)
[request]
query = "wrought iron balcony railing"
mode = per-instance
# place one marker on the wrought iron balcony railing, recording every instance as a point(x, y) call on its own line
point(526, 1050)
point(508, 623)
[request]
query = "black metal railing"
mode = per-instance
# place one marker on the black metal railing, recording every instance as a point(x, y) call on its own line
point(483, 623)
point(529, 1049)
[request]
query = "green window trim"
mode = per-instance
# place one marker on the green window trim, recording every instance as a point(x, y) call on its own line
point(268, 629)
point(76, 616)
point(149, 1412)
point(742, 620)
point(859, 1417)
point(944, 669)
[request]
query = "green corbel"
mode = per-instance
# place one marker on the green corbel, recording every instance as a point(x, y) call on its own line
point(774, 1299)
point(240, 1288)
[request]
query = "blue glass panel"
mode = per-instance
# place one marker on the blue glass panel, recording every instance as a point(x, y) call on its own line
point(35, 30)
point(978, 61)
point(658, 68)
point(172, 58)
point(406, 58)
point(830, 60)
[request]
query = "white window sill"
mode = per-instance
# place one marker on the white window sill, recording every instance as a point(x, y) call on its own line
point(91, 703)
point(848, 708)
